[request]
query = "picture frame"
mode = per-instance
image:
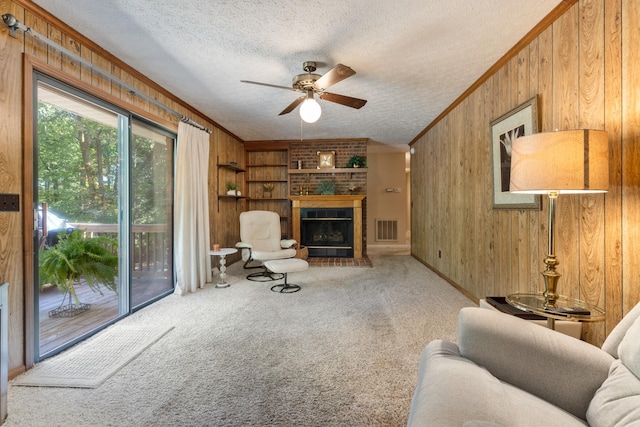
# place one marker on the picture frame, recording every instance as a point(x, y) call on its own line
point(326, 159)
point(521, 121)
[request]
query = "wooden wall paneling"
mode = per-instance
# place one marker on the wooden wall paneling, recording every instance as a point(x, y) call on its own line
point(473, 148)
point(11, 228)
point(630, 154)
point(487, 248)
point(469, 189)
point(126, 95)
point(32, 45)
point(214, 202)
point(591, 109)
point(54, 57)
point(503, 217)
point(613, 199)
point(421, 188)
point(71, 66)
point(524, 235)
point(444, 201)
point(430, 178)
point(466, 231)
point(566, 115)
point(515, 252)
point(455, 200)
point(531, 276)
point(545, 122)
point(86, 73)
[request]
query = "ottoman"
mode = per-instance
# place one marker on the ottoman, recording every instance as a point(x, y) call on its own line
point(284, 266)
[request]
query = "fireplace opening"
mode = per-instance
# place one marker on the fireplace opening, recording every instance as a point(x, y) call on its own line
point(327, 232)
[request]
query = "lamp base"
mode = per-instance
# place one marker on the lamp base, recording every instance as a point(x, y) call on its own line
point(551, 278)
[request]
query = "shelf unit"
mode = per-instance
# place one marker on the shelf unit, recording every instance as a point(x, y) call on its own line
point(269, 166)
point(224, 171)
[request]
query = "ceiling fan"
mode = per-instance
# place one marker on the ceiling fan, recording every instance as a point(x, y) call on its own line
point(310, 84)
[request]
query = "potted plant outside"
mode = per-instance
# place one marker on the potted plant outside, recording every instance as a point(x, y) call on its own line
point(357, 161)
point(77, 257)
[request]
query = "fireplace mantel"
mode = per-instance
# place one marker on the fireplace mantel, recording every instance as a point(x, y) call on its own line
point(337, 201)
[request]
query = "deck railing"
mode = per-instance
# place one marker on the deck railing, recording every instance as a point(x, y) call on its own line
point(150, 245)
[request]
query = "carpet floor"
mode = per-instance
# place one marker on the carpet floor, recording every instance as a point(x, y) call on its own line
point(343, 351)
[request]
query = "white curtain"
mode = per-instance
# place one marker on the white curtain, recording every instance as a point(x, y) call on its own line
point(191, 223)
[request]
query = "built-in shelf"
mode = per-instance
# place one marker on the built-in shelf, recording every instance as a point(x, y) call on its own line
point(268, 165)
point(237, 170)
point(329, 170)
point(231, 167)
point(227, 196)
point(267, 180)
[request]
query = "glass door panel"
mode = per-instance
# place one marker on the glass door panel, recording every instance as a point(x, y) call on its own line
point(151, 213)
point(77, 195)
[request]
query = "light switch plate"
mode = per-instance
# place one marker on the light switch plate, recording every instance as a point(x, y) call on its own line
point(9, 202)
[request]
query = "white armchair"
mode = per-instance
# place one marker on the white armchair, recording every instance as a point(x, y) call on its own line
point(260, 241)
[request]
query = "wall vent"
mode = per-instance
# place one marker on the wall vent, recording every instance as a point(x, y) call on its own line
point(386, 230)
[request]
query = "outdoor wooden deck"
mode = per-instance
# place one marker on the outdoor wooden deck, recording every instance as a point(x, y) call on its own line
point(57, 331)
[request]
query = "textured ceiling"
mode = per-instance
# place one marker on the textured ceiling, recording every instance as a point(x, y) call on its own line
point(412, 58)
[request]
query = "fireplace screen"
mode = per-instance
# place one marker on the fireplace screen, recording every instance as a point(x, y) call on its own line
point(327, 232)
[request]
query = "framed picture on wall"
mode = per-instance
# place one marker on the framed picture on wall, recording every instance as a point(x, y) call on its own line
point(521, 121)
point(326, 159)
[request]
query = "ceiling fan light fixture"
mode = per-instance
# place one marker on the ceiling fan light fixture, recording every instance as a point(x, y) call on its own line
point(310, 110)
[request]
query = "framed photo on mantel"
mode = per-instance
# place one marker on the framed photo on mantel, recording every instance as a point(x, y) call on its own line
point(521, 121)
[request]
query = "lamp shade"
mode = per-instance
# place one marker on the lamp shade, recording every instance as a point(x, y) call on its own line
point(572, 161)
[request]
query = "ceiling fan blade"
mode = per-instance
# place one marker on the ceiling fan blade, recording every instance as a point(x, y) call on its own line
point(342, 99)
point(270, 85)
point(293, 105)
point(333, 76)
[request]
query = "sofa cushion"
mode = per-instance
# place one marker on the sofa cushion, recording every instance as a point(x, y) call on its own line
point(629, 349)
point(454, 391)
point(543, 362)
point(617, 401)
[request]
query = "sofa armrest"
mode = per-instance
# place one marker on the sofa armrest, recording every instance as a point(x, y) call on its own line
point(287, 243)
point(553, 366)
point(243, 245)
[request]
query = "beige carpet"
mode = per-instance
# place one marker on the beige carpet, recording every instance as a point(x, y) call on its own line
point(92, 362)
point(344, 351)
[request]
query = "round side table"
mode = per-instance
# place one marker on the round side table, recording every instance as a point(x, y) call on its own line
point(222, 253)
point(564, 308)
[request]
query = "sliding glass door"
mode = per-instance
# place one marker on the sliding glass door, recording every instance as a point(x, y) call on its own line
point(103, 191)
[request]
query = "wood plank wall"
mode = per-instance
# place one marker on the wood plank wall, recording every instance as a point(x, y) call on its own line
point(15, 173)
point(585, 73)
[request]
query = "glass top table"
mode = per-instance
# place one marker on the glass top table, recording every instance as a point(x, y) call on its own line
point(564, 308)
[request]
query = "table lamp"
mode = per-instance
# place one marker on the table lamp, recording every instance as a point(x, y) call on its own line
point(551, 163)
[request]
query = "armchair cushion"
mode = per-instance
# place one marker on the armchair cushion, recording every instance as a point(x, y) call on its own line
point(545, 363)
point(260, 232)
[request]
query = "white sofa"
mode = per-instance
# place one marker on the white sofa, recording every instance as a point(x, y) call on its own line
point(506, 371)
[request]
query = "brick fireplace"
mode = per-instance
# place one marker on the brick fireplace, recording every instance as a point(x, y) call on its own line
point(342, 217)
